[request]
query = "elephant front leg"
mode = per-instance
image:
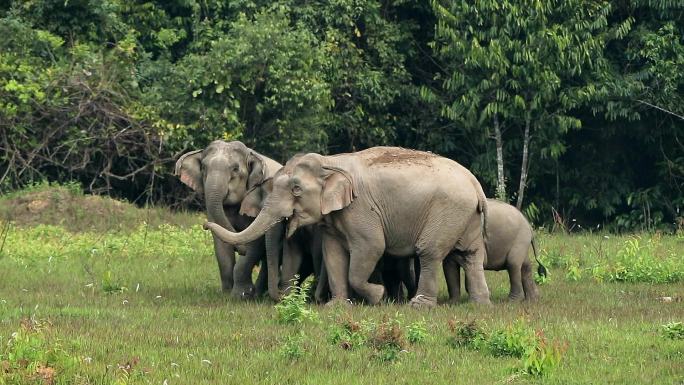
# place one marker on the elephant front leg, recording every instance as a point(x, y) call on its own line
point(244, 288)
point(452, 275)
point(364, 257)
point(292, 263)
point(225, 256)
point(430, 264)
point(336, 261)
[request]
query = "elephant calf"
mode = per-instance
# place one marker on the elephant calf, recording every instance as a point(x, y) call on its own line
point(508, 241)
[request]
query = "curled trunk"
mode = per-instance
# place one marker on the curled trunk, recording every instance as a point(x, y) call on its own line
point(263, 222)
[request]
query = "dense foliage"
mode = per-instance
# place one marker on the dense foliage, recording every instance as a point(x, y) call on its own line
point(567, 107)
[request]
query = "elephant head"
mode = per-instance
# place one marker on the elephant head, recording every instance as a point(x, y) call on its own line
point(224, 173)
point(302, 192)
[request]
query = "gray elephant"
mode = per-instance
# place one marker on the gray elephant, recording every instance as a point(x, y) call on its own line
point(370, 203)
point(224, 172)
point(509, 237)
point(298, 255)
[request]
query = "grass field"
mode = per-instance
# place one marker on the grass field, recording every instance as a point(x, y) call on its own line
point(136, 300)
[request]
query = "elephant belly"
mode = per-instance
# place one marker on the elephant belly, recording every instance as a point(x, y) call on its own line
point(400, 249)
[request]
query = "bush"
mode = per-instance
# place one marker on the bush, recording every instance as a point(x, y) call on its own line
point(538, 357)
point(640, 262)
point(673, 330)
point(416, 332)
point(293, 308)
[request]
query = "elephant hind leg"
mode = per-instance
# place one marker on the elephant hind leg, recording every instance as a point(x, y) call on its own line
point(514, 276)
point(452, 275)
point(529, 286)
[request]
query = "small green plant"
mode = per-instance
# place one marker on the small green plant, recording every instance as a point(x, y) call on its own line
point(347, 333)
point(673, 330)
point(293, 308)
point(293, 346)
point(417, 332)
point(388, 340)
point(573, 270)
point(545, 357)
point(467, 334)
point(31, 356)
point(516, 340)
point(110, 285)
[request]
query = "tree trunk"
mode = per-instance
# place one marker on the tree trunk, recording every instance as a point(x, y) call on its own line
point(501, 182)
point(525, 161)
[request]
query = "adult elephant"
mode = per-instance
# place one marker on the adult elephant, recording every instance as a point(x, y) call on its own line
point(381, 200)
point(297, 255)
point(224, 172)
point(509, 237)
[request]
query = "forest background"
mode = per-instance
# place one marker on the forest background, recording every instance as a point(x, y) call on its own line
point(572, 110)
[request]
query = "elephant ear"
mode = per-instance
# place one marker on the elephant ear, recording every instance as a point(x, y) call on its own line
point(189, 170)
point(257, 170)
point(251, 205)
point(338, 191)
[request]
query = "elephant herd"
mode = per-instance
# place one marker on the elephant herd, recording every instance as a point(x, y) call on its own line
point(366, 225)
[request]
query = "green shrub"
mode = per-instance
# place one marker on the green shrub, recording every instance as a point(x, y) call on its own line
point(32, 356)
point(387, 339)
point(516, 341)
point(467, 334)
point(293, 308)
point(417, 332)
point(293, 346)
point(673, 330)
point(347, 333)
point(639, 261)
point(543, 358)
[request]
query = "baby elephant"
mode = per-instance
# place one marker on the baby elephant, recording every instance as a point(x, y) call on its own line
point(508, 241)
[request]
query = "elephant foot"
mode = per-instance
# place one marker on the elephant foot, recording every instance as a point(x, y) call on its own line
point(516, 297)
point(375, 294)
point(335, 302)
point(243, 293)
point(481, 300)
point(423, 301)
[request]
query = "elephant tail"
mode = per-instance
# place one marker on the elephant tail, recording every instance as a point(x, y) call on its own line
point(482, 208)
point(541, 270)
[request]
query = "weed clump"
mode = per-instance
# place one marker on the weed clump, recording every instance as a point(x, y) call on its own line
point(673, 330)
point(638, 261)
point(294, 308)
point(387, 339)
point(32, 357)
point(538, 356)
point(293, 346)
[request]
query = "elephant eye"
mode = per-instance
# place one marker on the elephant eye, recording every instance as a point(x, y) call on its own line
point(296, 190)
point(236, 169)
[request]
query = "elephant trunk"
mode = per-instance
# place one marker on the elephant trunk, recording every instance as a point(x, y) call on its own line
point(274, 248)
point(263, 222)
point(216, 189)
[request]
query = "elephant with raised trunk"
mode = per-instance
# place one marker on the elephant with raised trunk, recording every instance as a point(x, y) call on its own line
point(224, 173)
point(509, 237)
point(381, 200)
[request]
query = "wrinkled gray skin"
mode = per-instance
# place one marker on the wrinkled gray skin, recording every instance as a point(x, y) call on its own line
point(224, 172)
point(370, 203)
point(509, 237)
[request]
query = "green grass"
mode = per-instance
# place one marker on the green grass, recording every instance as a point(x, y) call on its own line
point(141, 304)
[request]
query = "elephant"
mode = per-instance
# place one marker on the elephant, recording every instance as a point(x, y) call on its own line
point(397, 275)
point(370, 203)
point(225, 172)
point(509, 237)
point(299, 255)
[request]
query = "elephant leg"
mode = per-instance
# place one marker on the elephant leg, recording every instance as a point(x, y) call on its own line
point(336, 260)
point(322, 287)
point(225, 256)
point(529, 286)
point(430, 263)
point(475, 279)
point(292, 264)
point(515, 278)
point(261, 285)
point(274, 248)
point(364, 254)
point(452, 275)
point(244, 288)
